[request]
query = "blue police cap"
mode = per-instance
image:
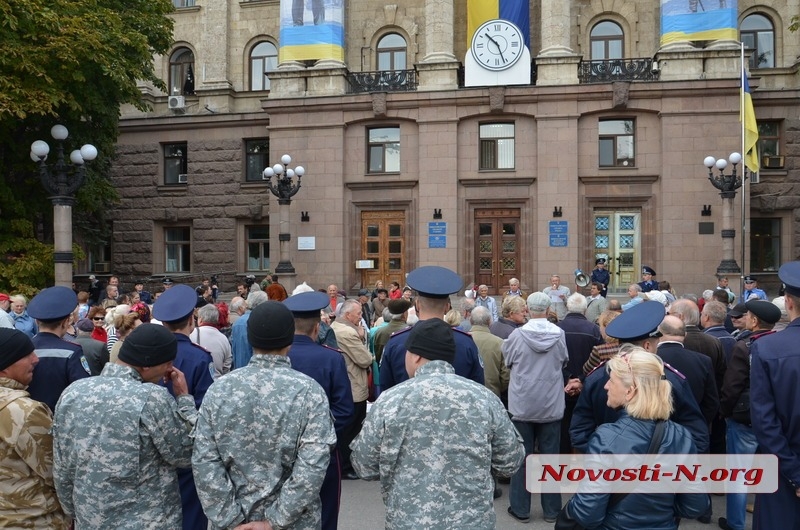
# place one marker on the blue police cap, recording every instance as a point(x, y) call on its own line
point(175, 304)
point(307, 305)
point(789, 274)
point(637, 323)
point(53, 303)
point(648, 270)
point(432, 281)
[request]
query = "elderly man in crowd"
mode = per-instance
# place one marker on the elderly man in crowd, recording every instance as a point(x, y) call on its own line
point(437, 472)
point(210, 338)
point(27, 495)
point(264, 436)
point(118, 438)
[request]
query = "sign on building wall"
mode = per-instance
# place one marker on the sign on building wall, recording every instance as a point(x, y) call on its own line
point(559, 233)
point(690, 20)
point(312, 30)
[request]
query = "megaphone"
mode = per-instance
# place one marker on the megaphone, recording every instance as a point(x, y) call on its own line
point(581, 280)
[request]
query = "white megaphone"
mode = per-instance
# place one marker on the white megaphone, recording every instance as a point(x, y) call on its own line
point(581, 280)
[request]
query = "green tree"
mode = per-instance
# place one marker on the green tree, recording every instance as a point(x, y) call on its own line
point(72, 62)
point(795, 23)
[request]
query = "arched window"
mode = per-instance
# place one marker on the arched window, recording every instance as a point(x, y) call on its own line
point(758, 36)
point(607, 41)
point(181, 72)
point(263, 59)
point(392, 52)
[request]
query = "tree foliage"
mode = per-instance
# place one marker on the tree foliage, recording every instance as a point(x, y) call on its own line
point(72, 62)
point(794, 25)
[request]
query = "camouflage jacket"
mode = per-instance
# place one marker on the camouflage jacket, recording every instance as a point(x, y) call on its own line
point(117, 441)
point(262, 445)
point(432, 441)
point(27, 496)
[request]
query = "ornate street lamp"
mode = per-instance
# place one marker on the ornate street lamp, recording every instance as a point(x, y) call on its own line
point(727, 184)
point(61, 180)
point(284, 188)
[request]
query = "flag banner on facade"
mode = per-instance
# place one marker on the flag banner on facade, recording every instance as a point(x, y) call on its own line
point(516, 11)
point(690, 20)
point(748, 117)
point(312, 30)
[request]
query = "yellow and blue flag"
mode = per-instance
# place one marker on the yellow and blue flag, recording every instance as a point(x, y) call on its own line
point(691, 20)
point(516, 11)
point(311, 30)
point(748, 117)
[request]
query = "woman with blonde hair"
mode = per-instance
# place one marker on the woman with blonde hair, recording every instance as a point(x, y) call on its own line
point(638, 385)
point(123, 324)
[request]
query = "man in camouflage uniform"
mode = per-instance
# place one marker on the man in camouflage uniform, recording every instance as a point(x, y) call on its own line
point(437, 471)
point(27, 496)
point(118, 439)
point(264, 435)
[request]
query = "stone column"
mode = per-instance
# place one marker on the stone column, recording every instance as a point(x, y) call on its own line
point(556, 63)
point(211, 68)
point(439, 68)
point(62, 240)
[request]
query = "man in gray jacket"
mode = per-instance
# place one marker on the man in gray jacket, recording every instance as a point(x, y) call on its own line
point(536, 354)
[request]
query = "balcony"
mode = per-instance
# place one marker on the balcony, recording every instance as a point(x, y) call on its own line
point(610, 70)
point(383, 81)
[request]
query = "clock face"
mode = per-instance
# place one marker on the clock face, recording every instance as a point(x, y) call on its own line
point(497, 45)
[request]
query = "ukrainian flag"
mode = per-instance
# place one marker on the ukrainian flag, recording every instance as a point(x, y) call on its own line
point(748, 117)
point(311, 30)
point(696, 20)
point(516, 11)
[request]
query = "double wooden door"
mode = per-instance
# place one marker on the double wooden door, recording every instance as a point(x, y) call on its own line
point(497, 247)
point(617, 239)
point(383, 241)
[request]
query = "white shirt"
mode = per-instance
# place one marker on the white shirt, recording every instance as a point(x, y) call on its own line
point(211, 339)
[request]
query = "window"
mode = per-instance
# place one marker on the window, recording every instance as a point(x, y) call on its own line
point(183, 3)
point(765, 245)
point(617, 143)
point(263, 59)
point(257, 241)
point(175, 164)
point(384, 150)
point(758, 37)
point(769, 138)
point(256, 156)
point(181, 72)
point(607, 41)
point(392, 52)
point(497, 146)
point(178, 249)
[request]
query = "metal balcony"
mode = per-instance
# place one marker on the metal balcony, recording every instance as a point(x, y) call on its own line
point(383, 81)
point(609, 70)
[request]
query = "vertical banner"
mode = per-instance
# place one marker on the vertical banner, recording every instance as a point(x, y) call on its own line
point(312, 30)
point(749, 125)
point(516, 11)
point(690, 20)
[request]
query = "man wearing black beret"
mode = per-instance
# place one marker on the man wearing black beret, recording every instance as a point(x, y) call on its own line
point(433, 470)
point(26, 447)
point(118, 438)
point(273, 426)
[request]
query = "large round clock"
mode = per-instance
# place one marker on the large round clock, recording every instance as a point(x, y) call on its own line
point(497, 44)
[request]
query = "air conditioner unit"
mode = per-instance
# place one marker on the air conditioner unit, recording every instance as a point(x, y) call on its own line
point(176, 102)
point(102, 266)
point(182, 178)
point(754, 178)
point(772, 162)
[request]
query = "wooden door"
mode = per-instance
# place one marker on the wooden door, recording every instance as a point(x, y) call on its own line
point(497, 232)
point(383, 242)
point(616, 238)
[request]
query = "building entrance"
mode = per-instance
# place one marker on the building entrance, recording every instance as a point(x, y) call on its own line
point(616, 238)
point(383, 241)
point(497, 247)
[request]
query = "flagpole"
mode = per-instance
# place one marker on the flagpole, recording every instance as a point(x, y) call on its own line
point(744, 171)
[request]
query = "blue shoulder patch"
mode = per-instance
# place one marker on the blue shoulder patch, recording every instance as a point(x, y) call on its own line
point(85, 365)
point(212, 371)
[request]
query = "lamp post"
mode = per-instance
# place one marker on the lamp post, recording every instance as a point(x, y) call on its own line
point(284, 188)
point(727, 184)
point(61, 180)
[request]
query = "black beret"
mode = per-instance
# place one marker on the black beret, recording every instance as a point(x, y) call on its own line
point(738, 310)
point(398, 306)
point(432, 339)
point(270, 326)
point(764, 310)
point(14, 345)
point(149, 345)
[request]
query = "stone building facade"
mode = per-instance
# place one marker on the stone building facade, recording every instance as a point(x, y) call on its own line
point(601, 154)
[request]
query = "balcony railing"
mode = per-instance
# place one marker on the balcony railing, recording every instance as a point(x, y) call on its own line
point(617, 70)
point(383, 81)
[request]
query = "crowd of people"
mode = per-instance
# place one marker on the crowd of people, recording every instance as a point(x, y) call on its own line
point(120, 407)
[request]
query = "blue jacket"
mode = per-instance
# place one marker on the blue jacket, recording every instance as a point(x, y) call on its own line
point(25, 323)
point(325, 366)
point(591, 410)
point(468, 362)
point(60, 364)
point(581, 336)
point(637, 511)
point(774, 406)
point(240, 346)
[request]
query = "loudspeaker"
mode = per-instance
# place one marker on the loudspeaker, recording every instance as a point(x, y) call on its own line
point(581, 280)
